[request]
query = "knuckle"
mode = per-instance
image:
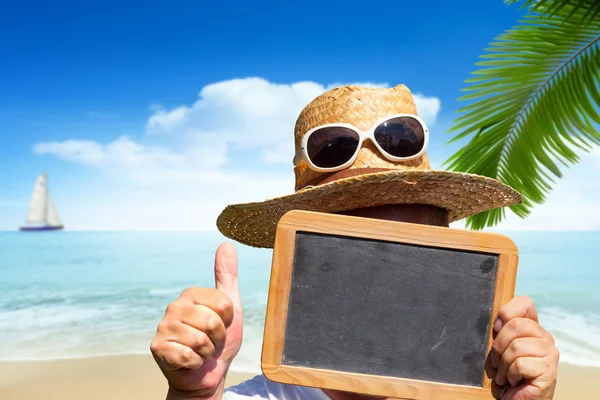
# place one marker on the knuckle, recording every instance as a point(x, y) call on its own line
point(515, 325)
point(223, 305)
point(189, 292)
point(502, 313)
point(181, 308)
point(189, 359)
point(496, 348)
point(526, 301)
point(516, 347)
point(201, 340)
point(520, 364)
point(163, 326)
point(187, 355)
point(211, 325)
point(155, 346)
point(173, 308)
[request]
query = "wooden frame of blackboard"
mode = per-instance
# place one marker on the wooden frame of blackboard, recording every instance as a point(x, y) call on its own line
point(331, 224)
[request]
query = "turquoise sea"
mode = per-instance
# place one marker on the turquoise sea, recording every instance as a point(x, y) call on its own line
point(76, 294)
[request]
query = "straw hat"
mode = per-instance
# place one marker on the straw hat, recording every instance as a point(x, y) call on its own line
point(371, 181)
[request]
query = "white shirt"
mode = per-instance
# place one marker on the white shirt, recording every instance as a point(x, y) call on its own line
point(260, 387)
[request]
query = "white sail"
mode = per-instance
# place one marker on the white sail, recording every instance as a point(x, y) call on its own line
point(53, 217)
point(38, 206)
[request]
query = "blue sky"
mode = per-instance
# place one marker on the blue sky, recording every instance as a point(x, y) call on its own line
point(155, 116)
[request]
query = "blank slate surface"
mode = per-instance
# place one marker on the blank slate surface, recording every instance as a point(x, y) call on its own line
point(390, 309)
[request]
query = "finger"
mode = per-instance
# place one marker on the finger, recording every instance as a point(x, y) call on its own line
point(519, 392)
point(518, 307)
point(520, 347)
point(194, 339)
point(206, 320)
point(217, 301)
point(173, 356)
point(515, 328)
point(226, 273)
point(525, 368)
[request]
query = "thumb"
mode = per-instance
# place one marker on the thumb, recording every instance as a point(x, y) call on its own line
point(226, 273)
point(518, 307)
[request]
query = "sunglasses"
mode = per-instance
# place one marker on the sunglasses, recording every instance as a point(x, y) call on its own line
point(332, 147)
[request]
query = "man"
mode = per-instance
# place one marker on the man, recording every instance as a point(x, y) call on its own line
point(359, 152)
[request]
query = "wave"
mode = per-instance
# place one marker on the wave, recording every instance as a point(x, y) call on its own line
point(97, 295)
point(577, 336)
point(63, 331)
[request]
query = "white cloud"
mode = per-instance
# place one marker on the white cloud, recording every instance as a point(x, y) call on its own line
point(253, 113)
point(126, 153)
point(123, 152)
point(166, 204)
point(194, 159)
point(249, 114)
point(572, 205)
point(184, 179)
point(593, 159)
point(427, 107)
point(574, 212)
point(167, 119)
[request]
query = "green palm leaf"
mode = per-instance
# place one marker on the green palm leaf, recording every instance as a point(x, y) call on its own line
point(534, 103)
point(553, 7)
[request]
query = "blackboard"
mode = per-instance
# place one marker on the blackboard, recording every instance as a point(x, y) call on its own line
point(385, 308)
point(394, 309)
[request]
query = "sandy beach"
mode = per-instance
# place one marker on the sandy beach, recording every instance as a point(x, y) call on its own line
point(136, 377)
point(99, 378)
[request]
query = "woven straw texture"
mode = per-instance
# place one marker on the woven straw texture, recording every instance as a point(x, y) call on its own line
point(361, 107)
point(254, 224)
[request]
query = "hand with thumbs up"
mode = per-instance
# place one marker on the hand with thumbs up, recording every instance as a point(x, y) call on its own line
point(201, 333)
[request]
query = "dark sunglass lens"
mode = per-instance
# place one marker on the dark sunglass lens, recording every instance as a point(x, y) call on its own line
point(332, 147)
point(401, 137)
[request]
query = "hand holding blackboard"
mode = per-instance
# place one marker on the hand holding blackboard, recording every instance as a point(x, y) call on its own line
point(385, 308)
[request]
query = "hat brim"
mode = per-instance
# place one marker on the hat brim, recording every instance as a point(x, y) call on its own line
point(463, 195)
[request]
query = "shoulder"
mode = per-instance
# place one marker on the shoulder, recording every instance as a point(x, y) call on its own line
point(260, 387)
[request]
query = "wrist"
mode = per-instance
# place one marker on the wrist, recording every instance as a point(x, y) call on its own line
point(215, 394)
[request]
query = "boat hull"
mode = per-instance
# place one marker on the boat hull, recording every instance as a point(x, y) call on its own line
point(40, 228)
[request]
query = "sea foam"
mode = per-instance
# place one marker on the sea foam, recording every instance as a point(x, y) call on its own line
point(73, 295)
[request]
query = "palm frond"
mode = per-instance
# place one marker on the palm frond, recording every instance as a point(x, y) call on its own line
point(535, 104)
point(551, 8)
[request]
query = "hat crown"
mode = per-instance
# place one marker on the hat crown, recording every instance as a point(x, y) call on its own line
point(372, 180)
point(362, 107)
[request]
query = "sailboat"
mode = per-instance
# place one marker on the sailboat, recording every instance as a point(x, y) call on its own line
point(42, 214)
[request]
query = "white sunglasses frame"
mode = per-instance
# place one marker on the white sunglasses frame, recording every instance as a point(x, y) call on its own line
point(302, 153)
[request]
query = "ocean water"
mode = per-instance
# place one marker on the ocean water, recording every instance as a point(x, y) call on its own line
point(76, 294)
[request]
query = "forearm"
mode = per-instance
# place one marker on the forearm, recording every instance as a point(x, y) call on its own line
point(217, 394)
